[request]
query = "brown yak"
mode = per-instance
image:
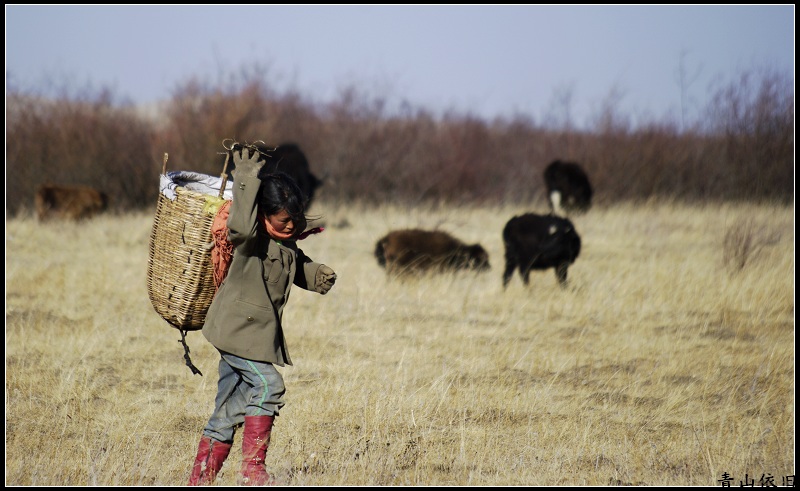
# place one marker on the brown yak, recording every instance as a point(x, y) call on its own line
point(54, 201)
point(416, 250)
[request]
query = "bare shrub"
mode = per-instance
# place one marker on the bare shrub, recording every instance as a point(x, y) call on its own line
point(365, 152)
point(199, 118)
point(752, 120)
point(744, 241)
point(89, 141)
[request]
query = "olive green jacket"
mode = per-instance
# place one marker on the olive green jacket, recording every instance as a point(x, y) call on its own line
point(245, 316)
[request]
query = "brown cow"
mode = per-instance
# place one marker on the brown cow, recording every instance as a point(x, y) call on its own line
point(54, 201)
point(404, 251)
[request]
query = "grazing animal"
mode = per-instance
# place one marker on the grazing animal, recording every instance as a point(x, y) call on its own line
point(539, 242)
point(56, 201)
point(568, 188)
point(288, 157)
point(404, 251)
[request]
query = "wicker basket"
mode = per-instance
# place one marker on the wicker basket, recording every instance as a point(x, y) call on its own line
point(180, 278)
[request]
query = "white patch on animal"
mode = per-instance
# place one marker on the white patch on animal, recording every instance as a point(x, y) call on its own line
point(555, 198)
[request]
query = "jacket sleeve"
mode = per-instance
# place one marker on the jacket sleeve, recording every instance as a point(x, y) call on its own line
point(243, 217)
point(306, 271)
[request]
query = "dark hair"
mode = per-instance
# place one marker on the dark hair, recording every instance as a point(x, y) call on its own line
point(280, 192)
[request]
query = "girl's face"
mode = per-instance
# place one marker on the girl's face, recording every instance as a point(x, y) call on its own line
point(281, 222)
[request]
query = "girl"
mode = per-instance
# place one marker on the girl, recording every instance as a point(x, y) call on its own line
point(266, 218)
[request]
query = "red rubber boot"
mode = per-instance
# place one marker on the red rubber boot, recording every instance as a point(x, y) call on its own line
point(211, 454)
point(255, 441)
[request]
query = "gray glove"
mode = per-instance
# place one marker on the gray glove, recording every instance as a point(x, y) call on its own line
point(324, 280)
point(247, 166)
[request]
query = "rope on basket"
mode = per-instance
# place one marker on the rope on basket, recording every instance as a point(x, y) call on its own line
point(186, 356)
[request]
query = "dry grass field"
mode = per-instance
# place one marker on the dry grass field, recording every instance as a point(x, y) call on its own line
point(668, 361)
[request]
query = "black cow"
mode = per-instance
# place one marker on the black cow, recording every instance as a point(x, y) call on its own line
point(287, 157)
point(568, 188)
point(539, 242)
point(406, 251)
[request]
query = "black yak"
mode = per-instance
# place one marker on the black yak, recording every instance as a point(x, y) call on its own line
point(568, 188)
point(539, 242)
point(288, 158)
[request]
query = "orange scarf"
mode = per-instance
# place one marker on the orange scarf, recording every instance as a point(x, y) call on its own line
point(284, 236)
point(271, 230)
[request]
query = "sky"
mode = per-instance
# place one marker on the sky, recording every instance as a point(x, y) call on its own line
point(546, 62)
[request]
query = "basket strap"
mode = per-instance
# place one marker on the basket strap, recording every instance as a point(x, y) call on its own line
point(186, 356)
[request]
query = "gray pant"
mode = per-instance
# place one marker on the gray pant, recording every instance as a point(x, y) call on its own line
point(245, 388)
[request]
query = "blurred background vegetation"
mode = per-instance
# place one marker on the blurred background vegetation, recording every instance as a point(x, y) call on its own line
point(740, 148)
